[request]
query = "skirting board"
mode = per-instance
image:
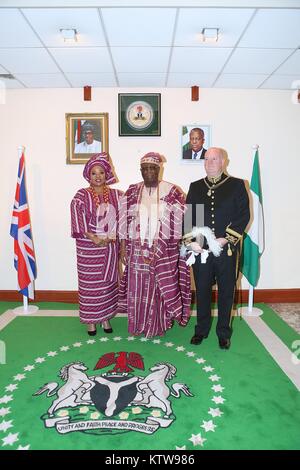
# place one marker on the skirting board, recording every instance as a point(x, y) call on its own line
point(260, 295)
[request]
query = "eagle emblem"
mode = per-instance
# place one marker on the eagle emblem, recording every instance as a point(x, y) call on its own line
point(122, 360)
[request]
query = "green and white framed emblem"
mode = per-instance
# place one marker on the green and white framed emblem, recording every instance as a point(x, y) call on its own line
point(139, 114)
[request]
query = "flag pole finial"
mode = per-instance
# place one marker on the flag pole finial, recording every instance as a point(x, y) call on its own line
point(255, 147)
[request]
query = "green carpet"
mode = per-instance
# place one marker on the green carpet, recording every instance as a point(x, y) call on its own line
point(240, 398)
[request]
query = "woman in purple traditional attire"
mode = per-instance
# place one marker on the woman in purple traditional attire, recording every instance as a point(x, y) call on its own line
point(94, 215)
point(155, 287)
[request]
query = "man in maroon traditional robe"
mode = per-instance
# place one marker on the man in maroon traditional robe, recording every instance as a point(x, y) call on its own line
point(155, 288)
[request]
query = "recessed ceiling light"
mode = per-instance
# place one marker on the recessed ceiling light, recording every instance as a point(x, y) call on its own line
point(69, 35)
point(210, 34)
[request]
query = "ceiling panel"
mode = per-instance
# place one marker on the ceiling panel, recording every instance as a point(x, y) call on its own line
point(2, 70)
point(142, 79)
point(193, 59)
point(256, 60)
point(27, 61)
point(231, 23)
point(203, 80)
point(228, 80)
point(150, 47)
point(139, 26)
point(85, 59)
point(9, 84)
point(92, 79)
point(291, 66)
point(141, 59)
point(47, 22)
point(43, 80)
point(283, 82)
point(14, 30)
point(273, 28)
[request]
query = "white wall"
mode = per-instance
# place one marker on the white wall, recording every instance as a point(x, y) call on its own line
point(239, 119)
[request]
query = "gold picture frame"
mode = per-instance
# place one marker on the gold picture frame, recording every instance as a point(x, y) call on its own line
point(86, 134)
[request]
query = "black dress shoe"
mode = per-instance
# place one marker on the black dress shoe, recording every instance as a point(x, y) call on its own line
point(224, 343)
point(107, 330)
point(92, 333)
point(197, 339)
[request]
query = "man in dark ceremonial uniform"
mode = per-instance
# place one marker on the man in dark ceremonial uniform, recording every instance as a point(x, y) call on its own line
point(226, 213)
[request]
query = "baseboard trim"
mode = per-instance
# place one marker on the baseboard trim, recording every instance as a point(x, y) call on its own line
point(260, 295)
point(67, 296)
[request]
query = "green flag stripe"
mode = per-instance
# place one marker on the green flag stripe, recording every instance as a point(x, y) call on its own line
point(255, 180)
point(250, 261)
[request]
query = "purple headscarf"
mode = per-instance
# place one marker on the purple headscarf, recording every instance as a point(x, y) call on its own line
point(102, 160)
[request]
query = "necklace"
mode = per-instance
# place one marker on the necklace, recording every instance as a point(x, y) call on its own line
point(214, 179)
point(146, 253)
point(214, 185)
point(95, 196)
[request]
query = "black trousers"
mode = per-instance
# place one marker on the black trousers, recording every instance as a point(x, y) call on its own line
point(223, 270)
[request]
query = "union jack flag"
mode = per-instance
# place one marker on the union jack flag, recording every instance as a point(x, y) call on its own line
point(20, 230)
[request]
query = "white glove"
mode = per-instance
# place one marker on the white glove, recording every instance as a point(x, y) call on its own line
point(204, 256)
point(192, 258)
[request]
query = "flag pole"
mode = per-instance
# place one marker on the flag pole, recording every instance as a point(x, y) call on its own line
point(250, 298)
point(25, 309)
point(21, 149)
point(25, 303)
point(251, 311)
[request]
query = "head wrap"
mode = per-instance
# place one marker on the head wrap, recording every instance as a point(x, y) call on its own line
point(102, 160)
point(152, 157)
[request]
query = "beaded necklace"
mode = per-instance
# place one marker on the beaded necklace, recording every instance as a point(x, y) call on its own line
point(95, 196)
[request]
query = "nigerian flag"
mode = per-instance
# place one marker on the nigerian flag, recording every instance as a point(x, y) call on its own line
point(254, 239)
point(185, 139)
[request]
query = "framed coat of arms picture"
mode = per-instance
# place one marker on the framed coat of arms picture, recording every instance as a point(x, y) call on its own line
point(139, 114)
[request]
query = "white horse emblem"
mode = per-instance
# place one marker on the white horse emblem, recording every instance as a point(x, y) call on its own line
point(73, 392)
point(153, 391)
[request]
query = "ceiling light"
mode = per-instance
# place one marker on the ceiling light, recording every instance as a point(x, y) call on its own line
point(69, 35)
point(210, 34)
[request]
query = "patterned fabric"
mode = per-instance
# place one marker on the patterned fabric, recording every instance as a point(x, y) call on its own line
point(97, 266)
point(154, 293)
point(101, 159)
point(20, 230)
point(152, 157)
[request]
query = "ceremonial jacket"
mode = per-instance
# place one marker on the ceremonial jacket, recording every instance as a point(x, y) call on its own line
point(223, 207)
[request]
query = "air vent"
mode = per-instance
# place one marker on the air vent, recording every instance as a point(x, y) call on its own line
point(9, 76)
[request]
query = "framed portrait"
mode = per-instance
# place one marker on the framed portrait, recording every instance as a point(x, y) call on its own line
point(195, 140)
point(86, 134)
point(139, 114)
